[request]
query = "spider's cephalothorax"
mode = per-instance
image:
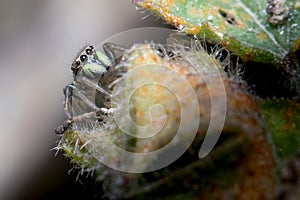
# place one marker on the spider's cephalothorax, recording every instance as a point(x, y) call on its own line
point(90, 61)
point(85, 97)
point(83, 57)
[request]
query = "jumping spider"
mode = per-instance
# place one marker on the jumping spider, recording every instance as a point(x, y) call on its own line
point(88, 68)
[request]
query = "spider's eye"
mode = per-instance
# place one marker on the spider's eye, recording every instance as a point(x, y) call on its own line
point(170, 54)
point(83, 58)
point(89, 51)
point(160, 52)
point(77, 63)
point(91, 47)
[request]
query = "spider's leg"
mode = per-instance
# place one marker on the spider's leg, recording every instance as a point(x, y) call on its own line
point(69, 94)
point(114, 52)
point(67, 123)
point(63, 127)
point(68, 110)
point(68, 91)
point(91, 104)
point(94, 85)
point(107, 111)
point(83, 98)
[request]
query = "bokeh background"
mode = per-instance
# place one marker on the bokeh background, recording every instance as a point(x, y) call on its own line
point(38, 41)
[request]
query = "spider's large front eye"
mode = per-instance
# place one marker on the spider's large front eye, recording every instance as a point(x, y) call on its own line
point(83, 58)
point(89, 51)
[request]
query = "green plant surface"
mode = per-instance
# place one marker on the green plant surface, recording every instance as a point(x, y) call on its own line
point(282, 118)
point(241, 26)
point(71, 145)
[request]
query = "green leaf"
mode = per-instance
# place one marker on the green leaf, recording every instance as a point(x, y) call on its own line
point(283, 120)
point(241, 26)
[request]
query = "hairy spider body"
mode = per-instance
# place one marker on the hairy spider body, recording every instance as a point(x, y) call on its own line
point(84, 97)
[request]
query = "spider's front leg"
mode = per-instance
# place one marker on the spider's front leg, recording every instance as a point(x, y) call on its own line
point(68, 110)
point(63, 127)
point(69, 95)
point(91, 104)
point(68, 92)
point(113, 52)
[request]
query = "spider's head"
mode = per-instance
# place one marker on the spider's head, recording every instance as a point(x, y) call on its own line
point(85, 56)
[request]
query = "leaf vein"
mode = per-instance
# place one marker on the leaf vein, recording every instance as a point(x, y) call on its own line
point(249, 12)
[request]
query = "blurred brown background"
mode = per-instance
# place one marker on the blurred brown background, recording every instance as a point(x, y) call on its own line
point(38, 41)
